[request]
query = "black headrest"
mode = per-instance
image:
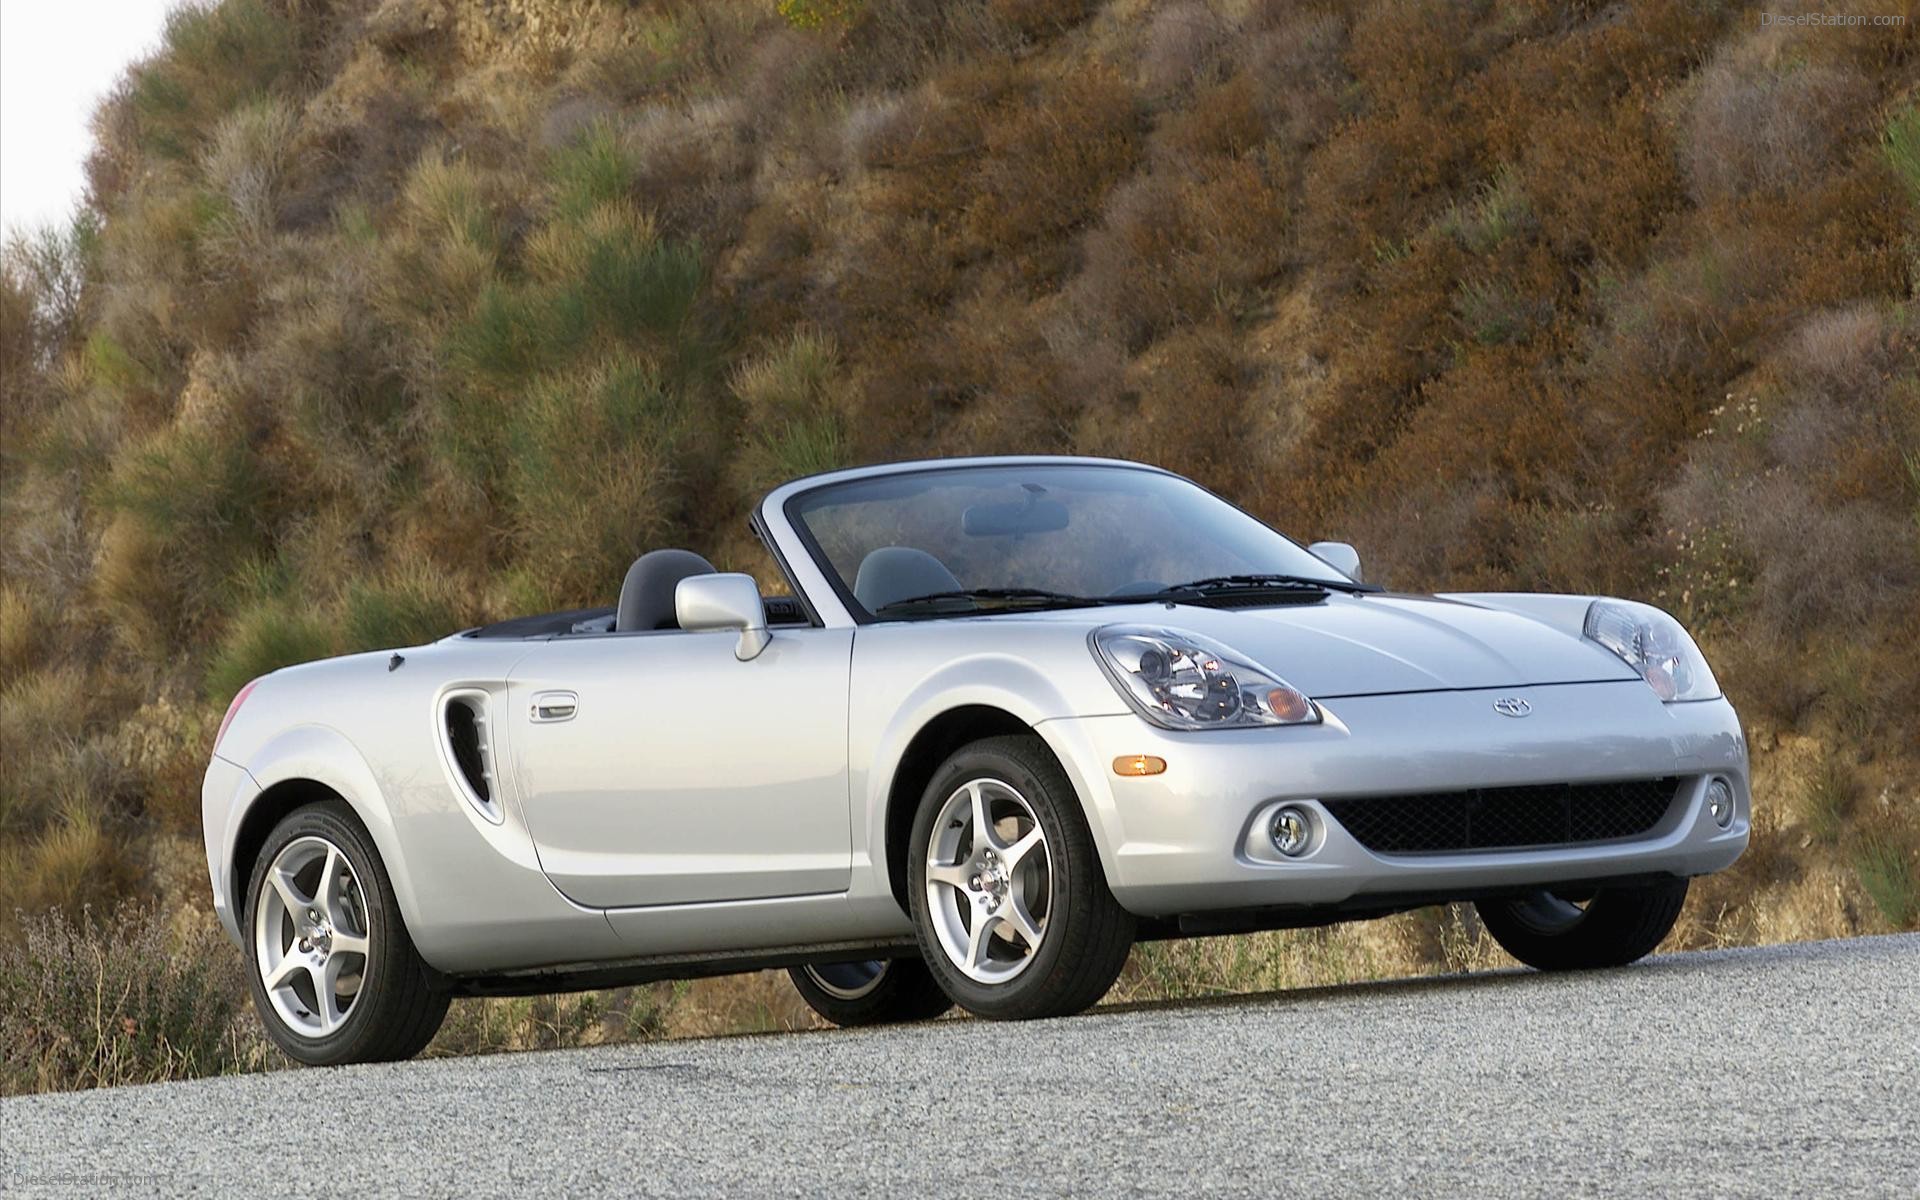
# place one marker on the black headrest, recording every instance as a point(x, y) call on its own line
point(646, 596)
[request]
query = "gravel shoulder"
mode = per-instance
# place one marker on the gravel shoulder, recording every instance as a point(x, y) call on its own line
point(1777, 1071)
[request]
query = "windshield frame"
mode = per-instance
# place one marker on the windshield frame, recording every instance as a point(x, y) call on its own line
point(800, 490)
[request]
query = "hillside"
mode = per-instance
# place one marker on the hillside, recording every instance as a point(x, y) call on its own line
point(386, 318)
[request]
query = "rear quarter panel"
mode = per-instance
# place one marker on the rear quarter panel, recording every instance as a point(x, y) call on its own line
point(471, 890)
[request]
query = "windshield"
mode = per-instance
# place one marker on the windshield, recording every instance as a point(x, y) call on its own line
point(1071, 532)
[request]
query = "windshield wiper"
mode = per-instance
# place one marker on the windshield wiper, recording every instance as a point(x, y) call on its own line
point(1007, 597)
point(1216, 584)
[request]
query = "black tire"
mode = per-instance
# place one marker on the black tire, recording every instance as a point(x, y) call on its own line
point(1618, 925)
point(398, 1007)
point(879, 992)
point(1087, 934)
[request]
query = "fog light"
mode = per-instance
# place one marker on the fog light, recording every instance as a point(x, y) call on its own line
point(1720, 802)
point(1291, 831)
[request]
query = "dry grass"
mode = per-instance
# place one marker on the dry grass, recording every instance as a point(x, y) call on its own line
point(1763, 120)
point(99, 1000)
point(1439, 941)
point(377, 328)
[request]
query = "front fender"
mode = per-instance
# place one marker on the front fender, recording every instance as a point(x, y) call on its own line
point(1010, 683)
point(322, 755)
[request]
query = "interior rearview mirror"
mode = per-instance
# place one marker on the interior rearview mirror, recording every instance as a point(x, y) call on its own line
point(1340, 556)
point(724, 601)
point(1033, 515)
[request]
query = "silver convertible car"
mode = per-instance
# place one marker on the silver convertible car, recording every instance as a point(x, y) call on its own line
point(1005, 717)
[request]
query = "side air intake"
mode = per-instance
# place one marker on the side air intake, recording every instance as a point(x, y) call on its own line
point(470, 746)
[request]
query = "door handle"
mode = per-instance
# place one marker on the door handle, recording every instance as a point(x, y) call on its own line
point(554, 706)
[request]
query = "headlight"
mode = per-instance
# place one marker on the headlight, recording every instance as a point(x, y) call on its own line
point(1654, 644)
point(1181, 680)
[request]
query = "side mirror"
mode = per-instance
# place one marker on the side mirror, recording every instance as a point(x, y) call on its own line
point(1340, 556)
point(730, 601)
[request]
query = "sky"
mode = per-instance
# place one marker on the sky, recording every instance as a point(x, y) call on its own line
point(57, 59)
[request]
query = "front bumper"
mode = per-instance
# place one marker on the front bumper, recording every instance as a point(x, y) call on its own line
point(1194, 838)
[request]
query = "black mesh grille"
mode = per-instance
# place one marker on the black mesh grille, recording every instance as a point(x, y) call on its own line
point(1541, 814)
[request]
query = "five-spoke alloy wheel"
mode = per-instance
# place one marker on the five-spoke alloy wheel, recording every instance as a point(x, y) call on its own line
point(987, 877)
point(1013, 913)
point(334, 973)
point(310, 936)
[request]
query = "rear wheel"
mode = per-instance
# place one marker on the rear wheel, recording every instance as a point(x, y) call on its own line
point(875, 992)
point(334, 974)
point(1578, 930)
point(1009, 903)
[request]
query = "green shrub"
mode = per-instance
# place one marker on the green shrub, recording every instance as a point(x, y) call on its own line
point(81, 853)
point(442, 247)
point(379, 616)
point(515, 332)
point(273, 633)
point(51, 752)
point(247, 156)
point(1500, 210)
point(214, 58)
point(607, 275)
point(592, 473)
point(1902, 146)
point(650, 286)
point(109, 362)
point(1886, 874)
point(116, 999)
point(1828, 800)
point(200, 490)
point(796, 419)
point(593, 170)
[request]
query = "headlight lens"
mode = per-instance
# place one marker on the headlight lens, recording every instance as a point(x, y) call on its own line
point(1181, 680)
point(1654, 644)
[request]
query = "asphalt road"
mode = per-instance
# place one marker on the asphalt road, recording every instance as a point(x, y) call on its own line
point(1784, 1071)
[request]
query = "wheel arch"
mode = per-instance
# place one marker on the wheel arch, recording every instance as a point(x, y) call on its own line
point(302, 766)
point(269, 808)
point(932, 744)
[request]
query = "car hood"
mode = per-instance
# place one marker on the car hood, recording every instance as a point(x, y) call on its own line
point(1381, 643)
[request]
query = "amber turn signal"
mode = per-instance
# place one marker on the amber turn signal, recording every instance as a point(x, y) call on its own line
point(1289, 705)
point(1138, 764)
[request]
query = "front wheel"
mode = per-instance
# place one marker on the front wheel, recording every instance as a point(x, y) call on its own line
point(334, 974)
point(876, 992)
point(1008, 900)
point(1549, 931)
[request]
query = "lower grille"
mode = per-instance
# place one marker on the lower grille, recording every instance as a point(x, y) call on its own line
point(1508, 818)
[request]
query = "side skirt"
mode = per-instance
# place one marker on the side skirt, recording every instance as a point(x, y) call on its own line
point(576, 977)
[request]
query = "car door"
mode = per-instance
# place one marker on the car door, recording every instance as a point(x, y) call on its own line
point(656, 768)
